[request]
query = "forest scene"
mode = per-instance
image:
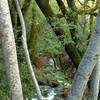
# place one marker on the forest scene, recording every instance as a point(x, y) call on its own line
point(49, 49)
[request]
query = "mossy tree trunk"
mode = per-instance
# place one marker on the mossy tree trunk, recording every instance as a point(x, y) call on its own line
point(34, 21)
point(53, 20)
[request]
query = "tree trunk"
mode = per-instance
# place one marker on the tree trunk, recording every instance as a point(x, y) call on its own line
point(87, 65)
point(36, 28)
point(9, 50)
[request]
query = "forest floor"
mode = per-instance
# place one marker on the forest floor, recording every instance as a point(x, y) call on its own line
point(53, 83)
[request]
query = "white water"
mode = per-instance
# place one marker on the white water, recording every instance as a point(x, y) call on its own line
point(51, 95)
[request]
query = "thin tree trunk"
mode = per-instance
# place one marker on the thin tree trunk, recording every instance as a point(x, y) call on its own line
point(24, 42)
point(9, 51)
point(87, 65)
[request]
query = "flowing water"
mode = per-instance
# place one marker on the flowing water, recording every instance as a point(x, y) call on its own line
point(51, 93)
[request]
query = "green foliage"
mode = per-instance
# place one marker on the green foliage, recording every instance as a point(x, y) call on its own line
point(59, 75)
point(48, 43)
point(3, 80)
point(27, 84)
point(45, 40)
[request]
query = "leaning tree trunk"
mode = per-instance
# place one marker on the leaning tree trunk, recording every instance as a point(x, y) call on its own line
point(53, 21)
point(94, 82)
point(87, 65)
point(9, 50)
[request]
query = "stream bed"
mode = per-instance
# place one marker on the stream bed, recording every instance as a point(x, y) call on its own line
point(49, 93)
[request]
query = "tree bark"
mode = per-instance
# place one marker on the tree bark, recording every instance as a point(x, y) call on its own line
point(9, 51)
point(94, 82)
point(87, 64)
